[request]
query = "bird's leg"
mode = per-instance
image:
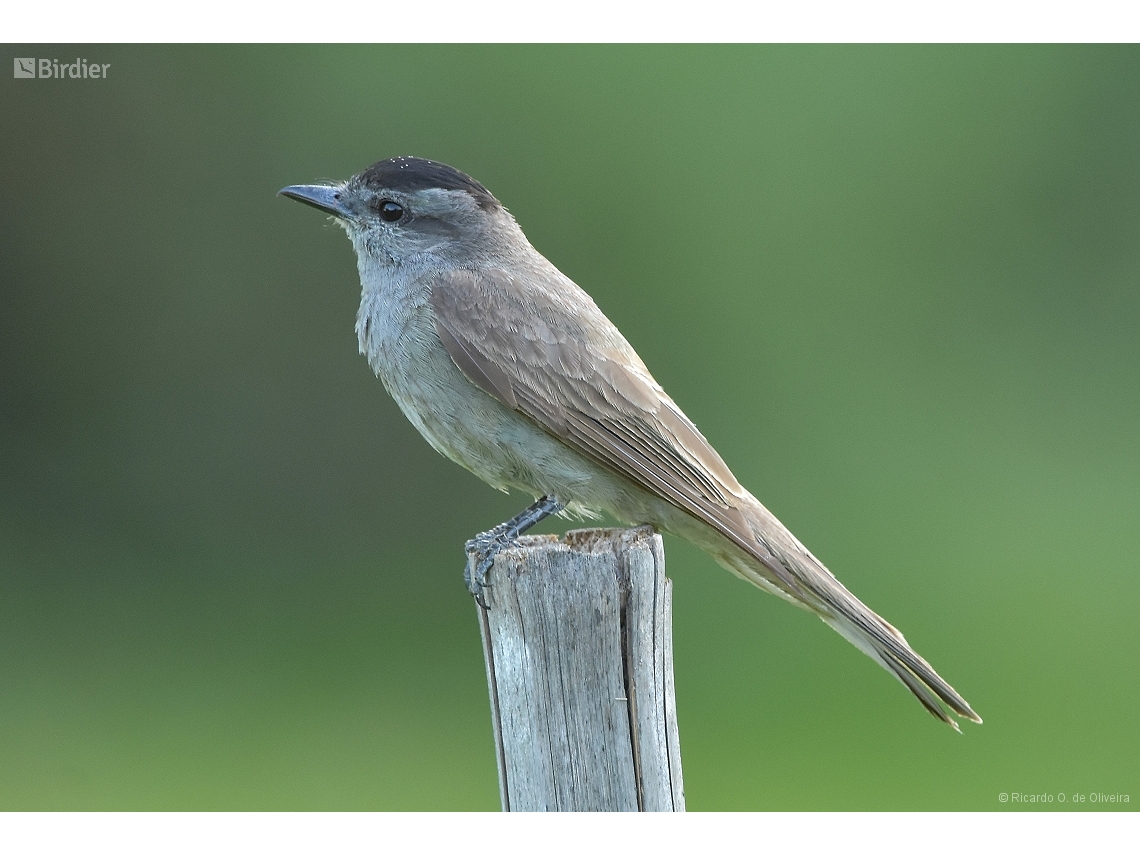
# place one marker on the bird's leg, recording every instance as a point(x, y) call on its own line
point(484, 547)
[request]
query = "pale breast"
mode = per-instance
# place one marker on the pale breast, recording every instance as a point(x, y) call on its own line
point(457, 419)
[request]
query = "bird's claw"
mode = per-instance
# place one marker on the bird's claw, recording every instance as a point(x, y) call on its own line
point(483, 548)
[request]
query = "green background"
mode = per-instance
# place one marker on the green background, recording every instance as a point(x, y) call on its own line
point(897, 287)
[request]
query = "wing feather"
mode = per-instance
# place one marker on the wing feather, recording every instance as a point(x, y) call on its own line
point(572, 373)
point(546, 351)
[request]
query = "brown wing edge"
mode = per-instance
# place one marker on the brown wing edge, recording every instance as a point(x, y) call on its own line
point(608, 442)
point(483, 373)
point(615, 445)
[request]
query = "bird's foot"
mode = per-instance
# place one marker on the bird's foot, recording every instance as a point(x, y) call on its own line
point(482, 549)
point(481, 552)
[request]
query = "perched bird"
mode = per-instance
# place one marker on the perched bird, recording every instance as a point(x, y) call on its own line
point(510, 369)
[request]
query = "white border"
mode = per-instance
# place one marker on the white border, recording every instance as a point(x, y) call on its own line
point(552, 834)
point(69, 21)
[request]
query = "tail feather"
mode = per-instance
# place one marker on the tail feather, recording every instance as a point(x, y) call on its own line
point(815, 588)
point(775, 561)
point(914, 672)
point(886, 645)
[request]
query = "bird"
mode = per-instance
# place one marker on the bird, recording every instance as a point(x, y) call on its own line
point(510, 369)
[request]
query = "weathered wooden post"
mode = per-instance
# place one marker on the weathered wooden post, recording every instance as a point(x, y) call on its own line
point(579, 649)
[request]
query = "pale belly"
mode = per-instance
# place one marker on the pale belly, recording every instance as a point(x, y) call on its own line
point(462, 422)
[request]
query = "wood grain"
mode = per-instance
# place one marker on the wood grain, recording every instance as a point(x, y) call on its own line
point(578, 646)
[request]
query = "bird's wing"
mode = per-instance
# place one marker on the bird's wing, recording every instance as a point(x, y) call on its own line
point(566, 367)
point(549, 353)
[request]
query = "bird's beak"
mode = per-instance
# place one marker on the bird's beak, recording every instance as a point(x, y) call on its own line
point(327, 199)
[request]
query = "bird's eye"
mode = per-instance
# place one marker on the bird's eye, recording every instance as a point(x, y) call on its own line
point(390, 211)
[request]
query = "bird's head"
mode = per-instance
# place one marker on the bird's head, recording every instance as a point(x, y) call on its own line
point(407, 210)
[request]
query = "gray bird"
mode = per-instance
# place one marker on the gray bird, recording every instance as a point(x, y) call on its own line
point(509, 369)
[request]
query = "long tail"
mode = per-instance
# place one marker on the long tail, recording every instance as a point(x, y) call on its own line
point(801, 577)
point(886, 645)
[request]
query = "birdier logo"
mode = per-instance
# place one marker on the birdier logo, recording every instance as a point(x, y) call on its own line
point(81, 68)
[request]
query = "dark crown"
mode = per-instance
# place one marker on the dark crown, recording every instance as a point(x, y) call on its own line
point(409, 174)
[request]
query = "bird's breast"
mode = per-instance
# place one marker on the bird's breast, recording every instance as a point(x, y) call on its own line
point(457, 418)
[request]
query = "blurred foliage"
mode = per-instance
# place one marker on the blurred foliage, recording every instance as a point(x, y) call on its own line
point(897, 287)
